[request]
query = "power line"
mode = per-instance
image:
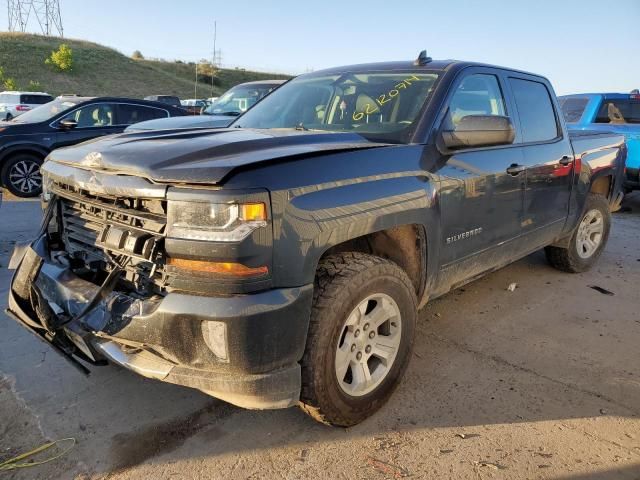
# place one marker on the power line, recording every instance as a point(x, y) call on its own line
point(46, 13)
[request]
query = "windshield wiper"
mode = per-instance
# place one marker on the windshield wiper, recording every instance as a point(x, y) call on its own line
point(229, 114)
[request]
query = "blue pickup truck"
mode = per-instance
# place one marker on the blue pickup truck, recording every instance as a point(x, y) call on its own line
point(610, 112)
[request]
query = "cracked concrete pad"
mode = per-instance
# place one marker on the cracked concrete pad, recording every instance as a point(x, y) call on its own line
point(542, 382)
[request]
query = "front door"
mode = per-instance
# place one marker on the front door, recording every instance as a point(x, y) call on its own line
point(482, 189)
point(93, 120)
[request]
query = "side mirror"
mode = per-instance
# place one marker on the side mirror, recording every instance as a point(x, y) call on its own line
point(67, 124)
point(479, 131)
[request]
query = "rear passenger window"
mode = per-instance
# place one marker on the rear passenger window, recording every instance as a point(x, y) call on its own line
point(537, 117)
point(619, 111)
point(572, 108)
point(130, 114)
point(477, 94)
point(35, 99)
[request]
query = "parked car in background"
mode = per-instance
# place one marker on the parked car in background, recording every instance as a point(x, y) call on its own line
point(609, 112)
point(194, 106)
point(166, 99)
point(14, 104)
point(221, 113)
point(282, 262)
point(27, 140)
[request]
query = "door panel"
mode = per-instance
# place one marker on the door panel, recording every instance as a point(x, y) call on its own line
point(548, 187)
point(481, 204)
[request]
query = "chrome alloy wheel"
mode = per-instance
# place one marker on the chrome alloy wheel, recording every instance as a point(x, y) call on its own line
point(25, 176)
point(590, 233)
point(368, 345)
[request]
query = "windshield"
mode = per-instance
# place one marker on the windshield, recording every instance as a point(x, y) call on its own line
point(46, 111)
point(238, 99)
point(381, 106)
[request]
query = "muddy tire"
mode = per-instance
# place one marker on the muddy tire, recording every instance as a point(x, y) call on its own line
point(360, 337)
point(20, 174)
point(588, 239)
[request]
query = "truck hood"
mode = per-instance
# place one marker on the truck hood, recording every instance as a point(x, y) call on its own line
point(200, 156)
point(189, 121)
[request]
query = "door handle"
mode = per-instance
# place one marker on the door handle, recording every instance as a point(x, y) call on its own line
point(516, 169)
point(566, 160)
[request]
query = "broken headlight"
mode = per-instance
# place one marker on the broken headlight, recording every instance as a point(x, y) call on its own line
point(218, 222)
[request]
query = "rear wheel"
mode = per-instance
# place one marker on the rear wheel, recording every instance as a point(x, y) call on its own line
point(21, 175)
point(360, 337)
point(588, 239)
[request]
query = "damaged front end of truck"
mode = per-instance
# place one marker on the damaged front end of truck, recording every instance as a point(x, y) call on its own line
point(98, 286)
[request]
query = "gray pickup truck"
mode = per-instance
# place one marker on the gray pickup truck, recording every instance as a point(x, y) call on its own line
point(282, 261)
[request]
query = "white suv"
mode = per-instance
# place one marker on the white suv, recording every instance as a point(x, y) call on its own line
point(13, 104)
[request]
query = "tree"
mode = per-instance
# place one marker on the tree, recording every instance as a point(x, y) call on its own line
point(137, 55)
point(207, 72)
point(62, 58)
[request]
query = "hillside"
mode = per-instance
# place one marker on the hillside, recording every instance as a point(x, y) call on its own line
point(100, 71)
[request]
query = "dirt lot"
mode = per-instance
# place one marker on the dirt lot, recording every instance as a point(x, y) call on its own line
point(542, 382)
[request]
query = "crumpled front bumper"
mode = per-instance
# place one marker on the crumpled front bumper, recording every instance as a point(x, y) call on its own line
point(263, 334)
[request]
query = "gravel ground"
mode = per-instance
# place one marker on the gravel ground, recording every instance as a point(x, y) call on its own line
point(541, 382)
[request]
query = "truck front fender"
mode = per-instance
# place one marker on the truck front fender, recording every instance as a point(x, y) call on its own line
point(323, 216)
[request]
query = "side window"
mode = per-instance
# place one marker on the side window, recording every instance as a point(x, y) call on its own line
point(35, 99)
point(96, 115)
point(129, 114)
point(477, 94)
point(537, 117)
point(573, 108)
point(619, 111)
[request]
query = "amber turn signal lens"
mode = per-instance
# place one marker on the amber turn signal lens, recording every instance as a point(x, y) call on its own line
point(227, 269)
point(252, 212)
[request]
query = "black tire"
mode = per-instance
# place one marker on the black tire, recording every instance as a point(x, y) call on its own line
point(343, 281)
point(568, 259)
point(31, 187)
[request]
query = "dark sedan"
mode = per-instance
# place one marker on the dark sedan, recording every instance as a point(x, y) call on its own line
point(27, 140)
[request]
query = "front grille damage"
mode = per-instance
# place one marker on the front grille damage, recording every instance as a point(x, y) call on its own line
point(99, 232)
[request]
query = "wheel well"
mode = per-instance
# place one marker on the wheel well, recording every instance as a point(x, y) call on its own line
point(404, 245)
point(601, 186)
point(20, 151)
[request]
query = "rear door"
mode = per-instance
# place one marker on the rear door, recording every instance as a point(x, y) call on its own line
point(548, 156)
point(481, 193)
point(128, 114)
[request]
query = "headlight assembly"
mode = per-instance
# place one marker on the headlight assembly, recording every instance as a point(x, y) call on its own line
point(218, 222)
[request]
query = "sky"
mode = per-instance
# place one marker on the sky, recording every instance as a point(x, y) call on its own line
point(577, 44)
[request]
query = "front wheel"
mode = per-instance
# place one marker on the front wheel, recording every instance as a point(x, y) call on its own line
point(588, 239)
point(360, 337)
point(21, 175)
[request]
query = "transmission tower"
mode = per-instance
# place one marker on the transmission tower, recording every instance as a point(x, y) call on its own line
point(45, 12)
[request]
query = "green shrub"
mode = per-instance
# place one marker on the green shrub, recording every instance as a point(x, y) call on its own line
point(34, 86)
point(137, 55)
point(10, 84)
point(62, 58)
